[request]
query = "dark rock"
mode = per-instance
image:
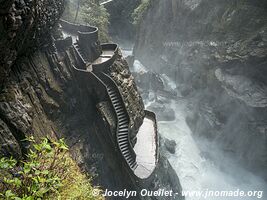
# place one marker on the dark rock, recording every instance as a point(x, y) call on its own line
point(170, 145)
point(165, 177)
point(120, 72)
point(9, 144)
point(44, 96)
point(130, 61)
point(217, 56)
point(241, 87)
point(17, 28)
point(121, 26)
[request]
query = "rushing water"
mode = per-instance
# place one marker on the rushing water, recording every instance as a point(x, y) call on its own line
point(200, 165)
point(196, 172)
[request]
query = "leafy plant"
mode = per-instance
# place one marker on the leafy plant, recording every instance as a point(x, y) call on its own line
point(43, 175)
point(88, 12)
point(93, 13)
point(140, 11)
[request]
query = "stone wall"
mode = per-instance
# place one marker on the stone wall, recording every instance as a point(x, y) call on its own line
point(120, 72)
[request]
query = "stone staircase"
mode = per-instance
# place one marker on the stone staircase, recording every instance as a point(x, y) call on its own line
point(84, 58)
point(122, 136)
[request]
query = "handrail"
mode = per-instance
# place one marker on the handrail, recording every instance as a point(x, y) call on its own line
point(132, 152)
point(80, 57)
point(104, 65)
point(152, 115)
point(123, 138)
point(72, 27)
point(99, 67)
point(87, 35)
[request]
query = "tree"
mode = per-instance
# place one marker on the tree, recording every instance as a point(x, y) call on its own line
point(94, 14)
point(77, 10)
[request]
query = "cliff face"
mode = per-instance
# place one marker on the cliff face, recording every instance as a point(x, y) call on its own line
point(42, 95)
point(121, 27)
point(216, 53)
point(23, 25)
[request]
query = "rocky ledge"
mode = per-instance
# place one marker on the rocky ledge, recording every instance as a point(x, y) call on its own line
point(41, 95)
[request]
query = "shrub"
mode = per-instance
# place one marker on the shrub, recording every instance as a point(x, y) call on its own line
point(94, 14)
point(140, 11)
point(47, 173)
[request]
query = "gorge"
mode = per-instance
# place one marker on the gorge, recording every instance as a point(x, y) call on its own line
point(214, 53)
point(199, 65)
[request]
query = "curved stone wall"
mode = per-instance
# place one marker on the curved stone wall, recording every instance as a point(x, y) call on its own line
point(87, 38)
point(121, 74)
point(105, 65)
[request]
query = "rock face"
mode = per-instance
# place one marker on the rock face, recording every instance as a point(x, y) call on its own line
point(23, 25)
point(170, 145)
point(134, 104)
point(44, 96)
point(241, 87)
point(9, 144)
point(216, 51)
point(121, 26)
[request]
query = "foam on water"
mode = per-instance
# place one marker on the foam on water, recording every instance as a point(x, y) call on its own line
point(199, 173)
point(139, 67)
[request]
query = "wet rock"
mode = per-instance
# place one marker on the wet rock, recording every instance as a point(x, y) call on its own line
point(15, 110)
point(185, 90)
point(18, 30)
point(134, 104)
point(9, 144)
point(170, 145)
point(130, 61)
point(243, 88)
point(219, 64)
point(43, 95)
point(165, 177)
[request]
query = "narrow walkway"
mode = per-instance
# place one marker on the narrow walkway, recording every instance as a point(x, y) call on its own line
point(105, 2)
point(123, 139)
point(146, 148)
point(81, 54)
point(143, 158)
point(106, 55)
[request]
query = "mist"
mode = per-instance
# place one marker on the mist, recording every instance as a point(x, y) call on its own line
point(200, 163)
point(200, 66)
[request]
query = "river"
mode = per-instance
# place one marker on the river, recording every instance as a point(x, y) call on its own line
point(200, 164)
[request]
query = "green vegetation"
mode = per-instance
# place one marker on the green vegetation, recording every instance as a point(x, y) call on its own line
point(47, 173)
point(88, 12)
point(140, 11)
point(94, 14)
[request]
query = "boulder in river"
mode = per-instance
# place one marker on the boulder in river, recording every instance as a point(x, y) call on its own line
point(170, 145)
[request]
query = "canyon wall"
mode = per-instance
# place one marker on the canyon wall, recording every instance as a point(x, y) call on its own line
point(44, 96)
point(121, 27)
point(216, 51)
